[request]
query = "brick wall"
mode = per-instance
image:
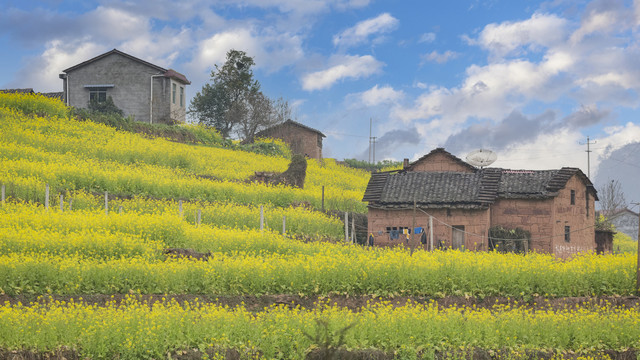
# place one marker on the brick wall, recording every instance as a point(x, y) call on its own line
point(474, 222)
point(439, 162)
point(535, 216)
point(582, 236)
point(546, 220)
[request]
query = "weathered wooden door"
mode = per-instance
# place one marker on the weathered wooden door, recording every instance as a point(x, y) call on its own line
point(458, 237)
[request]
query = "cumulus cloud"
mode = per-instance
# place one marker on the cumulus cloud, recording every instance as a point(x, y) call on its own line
point(361, 32)
point(440, 58)
point(43, 70)
point(380, 95)
point(514, 37)
point(342, 67)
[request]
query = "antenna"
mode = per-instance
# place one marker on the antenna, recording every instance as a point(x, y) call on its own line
point(481, 157)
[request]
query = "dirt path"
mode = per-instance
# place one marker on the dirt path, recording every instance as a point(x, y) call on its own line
point(258, 303)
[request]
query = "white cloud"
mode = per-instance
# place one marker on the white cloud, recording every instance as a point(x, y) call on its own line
point(42, 72)
point(440, 58)
point(427, 37)
point(512, 37)
point(343, 67)
point(380, 95)
point(596, 22)
point(359, 33)
point(112, 24)
point(270, 49)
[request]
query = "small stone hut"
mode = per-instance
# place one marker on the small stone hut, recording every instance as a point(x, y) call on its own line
point(302, 139)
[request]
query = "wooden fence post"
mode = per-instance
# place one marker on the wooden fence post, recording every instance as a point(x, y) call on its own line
point(284, 225)
point(46, 196)
point(3, 194)
point(346, 226)
point(353, 230)
point(199, 217)
point(70, 204)
point(61, 203)
point(106, 203)
point(431, 231)
point(322, 207)
point(120, 209)
point(180, 207)
point(261, 218)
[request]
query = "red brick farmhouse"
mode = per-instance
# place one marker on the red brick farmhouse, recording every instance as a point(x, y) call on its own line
point(555, 206)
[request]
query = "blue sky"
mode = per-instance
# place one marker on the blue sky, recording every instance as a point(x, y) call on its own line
point(529, 80)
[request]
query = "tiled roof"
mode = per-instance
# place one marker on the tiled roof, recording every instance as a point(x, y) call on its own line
point(54, 95)
point(431, 189)
point(466, 190)
point(17, 91)
point(287, 123)
point(176, 75)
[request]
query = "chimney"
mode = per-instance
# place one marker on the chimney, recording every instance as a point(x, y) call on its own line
point(405, 163)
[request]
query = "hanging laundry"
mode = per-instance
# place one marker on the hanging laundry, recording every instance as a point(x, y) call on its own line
point(423, 238)
point(417, 230)
point(394, 234)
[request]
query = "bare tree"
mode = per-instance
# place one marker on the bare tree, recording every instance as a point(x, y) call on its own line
point(611, 197)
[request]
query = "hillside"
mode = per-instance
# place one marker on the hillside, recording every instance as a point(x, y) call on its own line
point(178, 267)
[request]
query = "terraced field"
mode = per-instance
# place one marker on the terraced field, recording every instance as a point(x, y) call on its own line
point(147, 280)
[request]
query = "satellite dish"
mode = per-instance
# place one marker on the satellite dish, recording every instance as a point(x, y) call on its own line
point(481, 157)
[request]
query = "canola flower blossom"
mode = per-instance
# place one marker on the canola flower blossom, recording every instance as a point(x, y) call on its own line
point(54, 150)
point(137, 329)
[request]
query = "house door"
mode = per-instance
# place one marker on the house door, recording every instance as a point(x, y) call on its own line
point(458, 237)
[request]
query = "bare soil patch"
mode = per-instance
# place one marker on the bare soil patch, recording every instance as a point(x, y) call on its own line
point(355, 303)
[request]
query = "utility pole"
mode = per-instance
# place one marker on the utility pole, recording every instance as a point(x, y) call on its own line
point(372, 144)
point(370, 126)
point(588, 151)
point(374, 150)
point(638, 254)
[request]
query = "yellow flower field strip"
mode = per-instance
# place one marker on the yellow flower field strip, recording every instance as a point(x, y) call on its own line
point(33, 104)
point(138, 330)
point(351, 271)
point(100, 142)
point(28, 228)
point(92, 244)
point(66, 172)
point(154, 216)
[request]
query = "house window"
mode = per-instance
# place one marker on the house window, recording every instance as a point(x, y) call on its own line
point(457, 237)
point(573, 197)
point(98, 94)
point(181, 96)
point(567, 233)
point(173, 93)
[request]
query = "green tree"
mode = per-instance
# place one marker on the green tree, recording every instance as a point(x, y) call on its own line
point(233, 101)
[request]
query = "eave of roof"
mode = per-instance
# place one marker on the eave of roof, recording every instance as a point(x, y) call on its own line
point(177, 76)
point(118, 52)
point(289, 122)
